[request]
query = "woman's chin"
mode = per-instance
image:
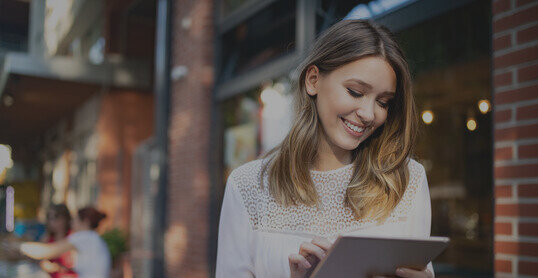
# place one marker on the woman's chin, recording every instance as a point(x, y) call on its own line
point(349, 146)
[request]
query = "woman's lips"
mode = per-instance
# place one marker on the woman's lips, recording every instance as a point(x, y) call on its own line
point(351, 131)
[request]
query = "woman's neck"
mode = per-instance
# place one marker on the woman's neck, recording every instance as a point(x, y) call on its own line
point(330, 157)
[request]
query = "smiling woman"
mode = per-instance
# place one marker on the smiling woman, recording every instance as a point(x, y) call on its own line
point(345, 167)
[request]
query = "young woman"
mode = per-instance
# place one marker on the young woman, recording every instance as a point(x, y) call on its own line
point(345, 167)
point(92, 256)
point(58, 228)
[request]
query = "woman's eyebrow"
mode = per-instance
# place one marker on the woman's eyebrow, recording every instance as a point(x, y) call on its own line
point(368, 86)
point(360, 82)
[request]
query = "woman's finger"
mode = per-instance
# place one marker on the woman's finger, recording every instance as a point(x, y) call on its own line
point(411, 273)
point(322, 243)
point(298, 262)
point(308, 248)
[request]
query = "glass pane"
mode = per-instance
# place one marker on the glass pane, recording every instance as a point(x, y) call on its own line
point(264, 37)
point(255, 122)
point(14, 24)
point(450, 59)
point(228, 6)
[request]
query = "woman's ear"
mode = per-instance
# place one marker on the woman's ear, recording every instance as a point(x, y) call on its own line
point(312, 77)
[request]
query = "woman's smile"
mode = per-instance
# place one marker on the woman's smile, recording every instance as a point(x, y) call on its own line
point(353, 129)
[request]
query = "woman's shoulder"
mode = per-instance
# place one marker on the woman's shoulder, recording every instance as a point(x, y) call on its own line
point(416, 169)
point(417, 180)
point(250, 168)
point(247, 174)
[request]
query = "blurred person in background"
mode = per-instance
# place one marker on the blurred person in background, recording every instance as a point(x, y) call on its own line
point(58, 228)
point(92, 255)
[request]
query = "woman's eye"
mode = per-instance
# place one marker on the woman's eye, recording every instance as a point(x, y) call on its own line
point(383, 104)
point(354, 94)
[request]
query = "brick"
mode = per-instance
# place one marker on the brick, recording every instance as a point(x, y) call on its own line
point(527, 112)
point(518, 171)
point(502, 42)
point(503, 266)
point(529, 190)
point(529, 73)
point(528, 151)
point(516, 248)
point(500, 6)
point(504, 153)
point(516, 19)
point(503, 228)
point(190, 187)
point(519, 94)
point(528, 268)
point(527, 35)
point(521, 210)
point(503, 191)
point(516, 57)
point(503, 116)
point(518, 132)
point(503, 79)
point(528, 229)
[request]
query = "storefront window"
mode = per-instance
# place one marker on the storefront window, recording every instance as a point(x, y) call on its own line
point(255, 122)
point(264, 37)
point(450, 59)
point(228, 6)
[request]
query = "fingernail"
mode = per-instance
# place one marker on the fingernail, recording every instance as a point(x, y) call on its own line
point(307, 265)
point(400, 271)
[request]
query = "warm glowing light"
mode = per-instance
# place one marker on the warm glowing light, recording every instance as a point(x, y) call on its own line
point(484, 106)
point(471, 124)
point(427, 117)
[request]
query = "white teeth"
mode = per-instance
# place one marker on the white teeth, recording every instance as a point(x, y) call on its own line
point(353, 127)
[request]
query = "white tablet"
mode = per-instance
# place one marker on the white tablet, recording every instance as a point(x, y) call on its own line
point(368, 256)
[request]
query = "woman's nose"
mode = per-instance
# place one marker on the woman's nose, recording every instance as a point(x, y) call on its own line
point(366, 113)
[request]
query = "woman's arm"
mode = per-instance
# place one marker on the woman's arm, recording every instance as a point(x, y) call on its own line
point(41, 251)
point(234, 248)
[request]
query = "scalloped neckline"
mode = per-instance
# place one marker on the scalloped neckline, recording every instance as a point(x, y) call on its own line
point(345, 167)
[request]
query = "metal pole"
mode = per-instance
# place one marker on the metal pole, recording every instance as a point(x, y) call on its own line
point(162, 110)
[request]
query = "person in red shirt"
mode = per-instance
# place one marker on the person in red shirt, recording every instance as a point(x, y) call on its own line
point(58, 228)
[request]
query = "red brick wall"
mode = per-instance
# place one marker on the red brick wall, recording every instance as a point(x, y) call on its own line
point(186, 237)
point(125, 121)
point(515, 75)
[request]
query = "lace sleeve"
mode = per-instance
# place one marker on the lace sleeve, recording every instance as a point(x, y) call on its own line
point(421, 214)
point(234, 240)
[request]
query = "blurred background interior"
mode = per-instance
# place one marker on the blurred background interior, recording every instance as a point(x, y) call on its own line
point(89, 100)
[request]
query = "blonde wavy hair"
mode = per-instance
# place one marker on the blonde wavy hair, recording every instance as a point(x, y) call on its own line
point(380, 174)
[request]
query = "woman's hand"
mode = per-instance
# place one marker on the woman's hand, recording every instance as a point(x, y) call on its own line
point(310, 253)
point(411, 273)
point(50, 267)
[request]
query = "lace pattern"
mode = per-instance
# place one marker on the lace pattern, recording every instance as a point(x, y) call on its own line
point(329, 218)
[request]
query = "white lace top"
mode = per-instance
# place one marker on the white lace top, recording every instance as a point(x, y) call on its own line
point(256, 235)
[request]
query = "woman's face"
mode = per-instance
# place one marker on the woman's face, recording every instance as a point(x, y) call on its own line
point(55, 222)
point(352, 101)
